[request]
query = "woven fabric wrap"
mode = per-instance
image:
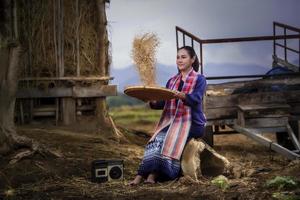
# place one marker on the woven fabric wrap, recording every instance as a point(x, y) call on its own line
point(177, 117)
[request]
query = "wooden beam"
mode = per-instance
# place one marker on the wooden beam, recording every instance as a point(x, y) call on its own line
point(75, 92)
point(259, 107)
point(37, 93)
point(266, 122)
point(286, 64)
point(43, 114)
point(274, 130)
point(289, 80)
point(252, 98)
point(79, 78)
point(253, 134)
point(211, 122)
point(221, 113)
point(94, 91)
point(293, 137)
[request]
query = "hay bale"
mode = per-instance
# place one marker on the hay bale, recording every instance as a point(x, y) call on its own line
point(199, 159)
point(38, 29)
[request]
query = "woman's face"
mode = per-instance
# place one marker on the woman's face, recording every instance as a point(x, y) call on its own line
point(184, 61)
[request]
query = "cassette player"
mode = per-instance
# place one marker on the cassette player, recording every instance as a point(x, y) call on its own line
point(107, 170)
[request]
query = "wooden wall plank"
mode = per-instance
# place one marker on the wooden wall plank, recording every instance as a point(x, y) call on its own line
point(77, 92)
point(267, 82)
point(252, 98)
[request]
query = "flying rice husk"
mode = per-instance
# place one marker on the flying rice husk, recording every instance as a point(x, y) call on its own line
point(143, 55)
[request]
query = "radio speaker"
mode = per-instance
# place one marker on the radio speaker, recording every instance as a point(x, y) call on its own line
point(107, 170)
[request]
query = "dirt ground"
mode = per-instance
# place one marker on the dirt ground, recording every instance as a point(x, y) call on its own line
point(69, 177)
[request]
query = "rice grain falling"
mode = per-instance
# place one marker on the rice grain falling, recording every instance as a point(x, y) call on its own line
point(143, 55)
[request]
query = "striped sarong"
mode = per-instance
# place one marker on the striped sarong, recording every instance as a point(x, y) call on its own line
point(177, 117)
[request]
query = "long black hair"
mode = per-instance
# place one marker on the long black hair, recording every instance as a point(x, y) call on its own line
point(190, 50)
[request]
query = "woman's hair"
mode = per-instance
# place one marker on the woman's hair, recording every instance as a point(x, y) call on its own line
point(190, 50)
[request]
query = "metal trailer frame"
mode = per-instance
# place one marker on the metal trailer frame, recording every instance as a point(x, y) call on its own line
point(253, 133)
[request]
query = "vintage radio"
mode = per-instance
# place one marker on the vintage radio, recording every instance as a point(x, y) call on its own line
point(107, 170)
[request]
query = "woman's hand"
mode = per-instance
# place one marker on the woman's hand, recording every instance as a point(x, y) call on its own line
point(179, 95)
point(152, 102)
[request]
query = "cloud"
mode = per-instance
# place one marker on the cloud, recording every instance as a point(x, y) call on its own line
point(239, 53)
point(204, 18)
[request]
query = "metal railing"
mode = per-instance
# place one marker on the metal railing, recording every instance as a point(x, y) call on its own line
point(196, 40)
point(285, 46)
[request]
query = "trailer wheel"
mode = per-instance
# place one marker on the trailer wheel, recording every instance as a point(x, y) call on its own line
point(283, 137)
point(208, 136)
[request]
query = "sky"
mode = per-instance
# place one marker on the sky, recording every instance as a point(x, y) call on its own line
point(207, 19)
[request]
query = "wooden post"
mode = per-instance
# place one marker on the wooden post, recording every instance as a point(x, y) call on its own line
point(69, 110)
point(56, 111)
point(102, 64)
point(292, 136)
point(21, 112)
point(241, 118)
point(298, 134)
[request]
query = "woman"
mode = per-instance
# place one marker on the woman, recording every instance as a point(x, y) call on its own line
point(181, 120)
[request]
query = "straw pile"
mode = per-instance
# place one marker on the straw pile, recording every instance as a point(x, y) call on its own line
point(143, 54)
point(38, 29)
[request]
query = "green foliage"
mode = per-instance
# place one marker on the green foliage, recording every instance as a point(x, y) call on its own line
point(122, 100)
point(280, 182)
point(221, 182)
point(283, 196)
point(135, 114)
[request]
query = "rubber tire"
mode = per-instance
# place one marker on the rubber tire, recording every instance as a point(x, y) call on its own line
point(209, 136)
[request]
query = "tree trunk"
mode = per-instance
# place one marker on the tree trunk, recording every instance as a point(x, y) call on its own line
point(102, 64)
point(9, 67)
point(102, 115)
point(9, 140)
point(199, 159)
point(8, 71)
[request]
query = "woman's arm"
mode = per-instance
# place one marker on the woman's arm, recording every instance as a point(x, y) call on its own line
point(196, 96)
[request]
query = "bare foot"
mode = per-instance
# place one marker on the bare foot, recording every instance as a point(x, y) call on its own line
point(151, 179)
point(137, 180)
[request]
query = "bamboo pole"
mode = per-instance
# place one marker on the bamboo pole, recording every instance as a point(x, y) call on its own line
point(54, 37)
point(58, 38)
point(77, 38)
point(62, 37)
point(101, 49)
point(15, 25)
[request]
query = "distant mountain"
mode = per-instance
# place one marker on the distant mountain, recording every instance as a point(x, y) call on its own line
point(128, 76)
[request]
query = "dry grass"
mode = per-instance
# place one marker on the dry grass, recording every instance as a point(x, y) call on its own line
point(143, 54)
point(38, 35)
